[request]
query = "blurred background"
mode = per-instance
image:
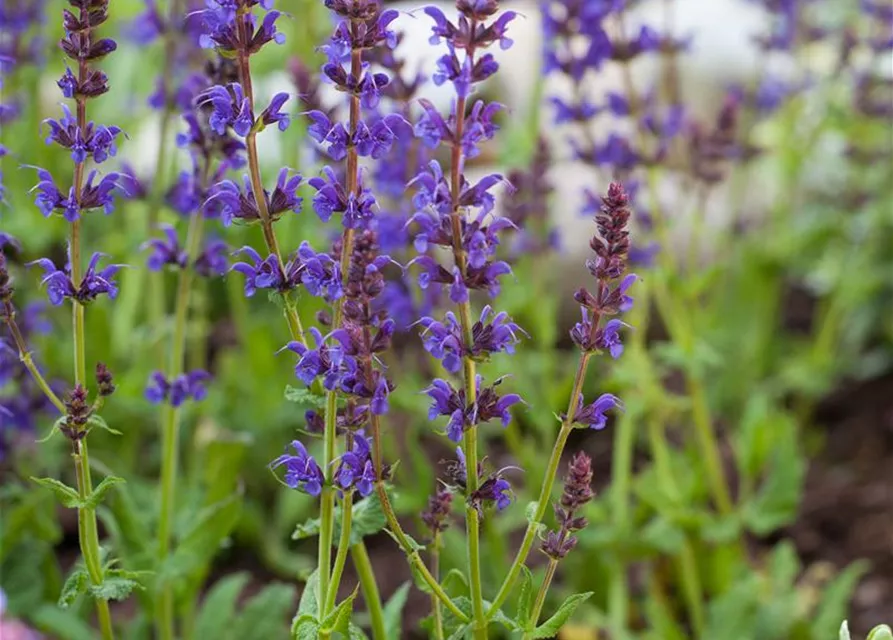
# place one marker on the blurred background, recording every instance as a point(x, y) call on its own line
point(766, 252)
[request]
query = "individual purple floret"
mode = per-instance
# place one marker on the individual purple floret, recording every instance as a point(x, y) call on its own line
point(165, 251)
point(593, 415)
point(355, 469)
point(328, 360)
point(184, 387)
point(94, 283)
point(95, 141)
point(301, 470)
point(213, 260)
point(331, 197)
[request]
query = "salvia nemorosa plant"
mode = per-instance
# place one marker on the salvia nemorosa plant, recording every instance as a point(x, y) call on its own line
point(79, 282)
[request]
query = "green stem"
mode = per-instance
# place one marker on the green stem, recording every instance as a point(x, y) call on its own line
point(89, 537)
point(709, 445)
point(363, 566)
point(408, 547)
point(8, 317)
point(546, 490)
point(541, 595)
point(436, 611)
point(170, 428)
point(341, 556)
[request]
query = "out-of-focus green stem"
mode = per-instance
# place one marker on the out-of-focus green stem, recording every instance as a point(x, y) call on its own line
point(371, 595)
point(436, 611)
point(170, 427)
point(341, 556)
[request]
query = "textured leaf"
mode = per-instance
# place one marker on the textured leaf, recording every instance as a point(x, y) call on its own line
point(265, 615)
point(525, 597)
point(393, 611)
point(75, 585)
point(95, 498)
point(530, 513)
point(67, 496)
point(219, 607)
point(553, 625)
point(305, 627)
point(339, 619)
point(305, 397)
point(113, 588)
point(367, 518)
point(54, 430)
point(455, 583)
point(356, 633)
point(309, 604)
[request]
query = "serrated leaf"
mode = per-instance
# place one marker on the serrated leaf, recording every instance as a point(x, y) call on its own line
point(460, 632)
point(451, 623)
point(305, 627)
point(339, 618)
point(113, 588)
point(367, 518)
point(75, 585)
point(305, 397)
point(553, 625)
point(393, 611)
point(219, 607)
point(525, 597)
point(98, 421)
point(67, 496)
point(265, 615)
point(95, 498)
point(309, 604)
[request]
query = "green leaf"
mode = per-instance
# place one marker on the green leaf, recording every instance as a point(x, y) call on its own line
point(200, 543)
point(305, 397)
point(305, 627)
point(54, 430)
point(880, 632)
point(98, 421)
point(451, 623)
point(356, 633)
point(663, 535)
point(836, 597)
point(60, 624)
point(114, 588)
point(265, 615)
point(525, 597)
point(95, 498)
point(75, 585)
point(553, 625)
point(219, 607)
point(309, 604)
point(459, 633)
point(67, 496)
point(455, 583)
point(367, 518)
point(393, 611)
point(339, 619)
point(844, 633)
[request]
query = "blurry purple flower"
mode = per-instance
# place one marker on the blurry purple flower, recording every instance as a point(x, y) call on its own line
point(165, 251)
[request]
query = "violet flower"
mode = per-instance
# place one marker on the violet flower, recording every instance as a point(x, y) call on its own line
point(301, 470)
point(186, 386)
point(93, 284)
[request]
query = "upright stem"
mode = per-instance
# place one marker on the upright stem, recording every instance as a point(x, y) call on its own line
point(363, 566)
point(87, 531)
point(435, 572)
point(409, 548)
point(545, 493)
point(257, 185)
point(327, 499)
point(343, 546)
point(170, 425)
point(541, 595)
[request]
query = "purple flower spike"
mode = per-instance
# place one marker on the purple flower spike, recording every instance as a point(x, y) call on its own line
point(301, 470)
